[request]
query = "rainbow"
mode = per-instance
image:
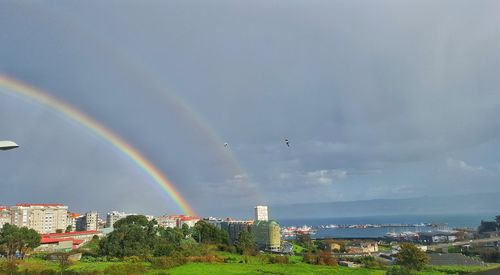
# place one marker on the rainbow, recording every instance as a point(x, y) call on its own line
point(138, 74)
point(14, 86)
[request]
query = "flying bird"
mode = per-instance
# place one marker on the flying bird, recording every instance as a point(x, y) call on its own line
point(287, 142)
point(7, 145)
point(226, 145)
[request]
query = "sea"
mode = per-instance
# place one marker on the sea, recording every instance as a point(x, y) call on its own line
point(445, 222)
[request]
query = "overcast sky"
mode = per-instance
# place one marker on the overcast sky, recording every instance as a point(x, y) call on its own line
point(379, 99)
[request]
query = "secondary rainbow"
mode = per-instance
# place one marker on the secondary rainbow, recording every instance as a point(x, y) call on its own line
point(137, 73)
point(25, 90)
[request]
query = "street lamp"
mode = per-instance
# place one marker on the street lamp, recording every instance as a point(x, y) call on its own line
point(7, 145)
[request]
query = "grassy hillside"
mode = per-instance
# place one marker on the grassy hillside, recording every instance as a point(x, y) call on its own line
point(202, 268)
point(254, 266)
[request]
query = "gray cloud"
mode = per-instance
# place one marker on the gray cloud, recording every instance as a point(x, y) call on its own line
point(463, 166)
point(373, 96)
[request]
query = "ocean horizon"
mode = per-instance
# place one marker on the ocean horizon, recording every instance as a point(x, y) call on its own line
point(450, 220)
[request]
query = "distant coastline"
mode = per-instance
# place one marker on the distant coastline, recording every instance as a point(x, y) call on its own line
point(450, 221)
point(449, 205)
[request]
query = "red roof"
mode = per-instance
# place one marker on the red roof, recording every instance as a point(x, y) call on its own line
point(68, 234)
point(39, 204)
point(74, 215)
point(187, 218)
point(55, 240)
point(78, 241)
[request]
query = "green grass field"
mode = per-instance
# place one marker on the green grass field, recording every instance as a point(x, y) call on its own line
point(254, 266)
point(301, 268)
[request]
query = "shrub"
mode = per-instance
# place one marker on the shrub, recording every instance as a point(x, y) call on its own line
point(228, 248)
point(114, 259)
point(168, 262)
point(371, 262)
point(8, 267)
point(320, 258)
point(411, 257)
point(88, 259)
point(230, 260)
point(132, 259)
point(48, 272)
point(125, 269)
point(279, 259)
point(398, 270)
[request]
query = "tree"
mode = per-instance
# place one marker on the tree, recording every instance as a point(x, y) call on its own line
point(15, 239)
point(62, 260)
point(304, 240)
point(131, 220)
point(245, 244)
point(169, 241)
point(132, 236)
point(204, 232)
point(69, 228)
point(186, 230)
point(30, 239)
point(411, 257)
point(9, 239)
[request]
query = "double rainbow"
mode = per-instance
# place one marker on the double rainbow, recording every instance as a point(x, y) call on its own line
point(14, 86)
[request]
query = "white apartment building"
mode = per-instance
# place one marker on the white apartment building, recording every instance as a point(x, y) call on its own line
point(261, 213)
point(4, 216)
point(115, 216)
point(88, 222)
point(72, 219)
point(166, 222)
point(44, 218)
point(189, 221)
point(176, 221)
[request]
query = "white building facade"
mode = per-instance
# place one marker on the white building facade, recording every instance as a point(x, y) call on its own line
point(5, 216)
point(43, 218)
point(88, 222)
point(261, 213)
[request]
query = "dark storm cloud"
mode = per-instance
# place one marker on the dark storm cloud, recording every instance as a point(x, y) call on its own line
point(384, 97)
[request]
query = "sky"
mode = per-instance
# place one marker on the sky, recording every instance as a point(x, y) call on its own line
point(379, 99)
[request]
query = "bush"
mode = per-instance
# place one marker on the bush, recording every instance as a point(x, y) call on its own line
point(132, 259)
point(48, 272)
point(411, 257)
point(209, 258)
point(230, 260)
point(397, 270)
point(88, 259)
point(114, 259)
point(168, 262)
point(371, 262)
point(8, 266)
point(279, 259)
point(320, 258)
point(227, 248)
point(125, 269)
